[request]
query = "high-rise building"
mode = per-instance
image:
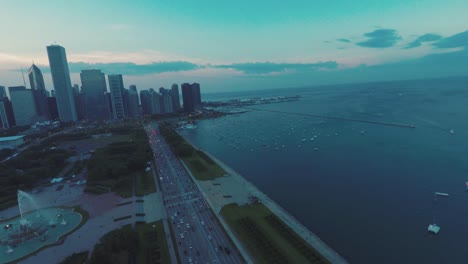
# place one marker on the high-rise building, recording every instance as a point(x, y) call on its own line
point(96, 105)
point(117, 98)
point(76, 89)
point(155, 102)
point(175, 97)
point(36, 79)
point(53, 109)
point(196, 95)
point(2, 92)
point(133, 102)
point(62, 84)
point(168, 100)
point(40, 95)
point(52, 93)
point(167, 103)
point(9, 111)
point(3, 116)
point(24, 105)
point(191, 96)
point(133, 87)
point(146, 106)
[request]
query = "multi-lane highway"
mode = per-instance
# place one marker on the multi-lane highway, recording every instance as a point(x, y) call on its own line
point(199, 236)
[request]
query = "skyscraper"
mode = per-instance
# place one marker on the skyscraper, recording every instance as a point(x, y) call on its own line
point(40, 96)
point(196, 95)
point(167, 103)
point(116, 89)
point(175, 97)
point(62, 84)
point(155, 102)
point(52, 104)
point(36, 79)
point(24, 105)
point(145, 98)
point(7, 116)
point(2, 92)
point(96, 105)
point(191, 96)
point(133, 103)
point(3, 116)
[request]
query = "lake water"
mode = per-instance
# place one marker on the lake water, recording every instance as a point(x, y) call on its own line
point(366, 190)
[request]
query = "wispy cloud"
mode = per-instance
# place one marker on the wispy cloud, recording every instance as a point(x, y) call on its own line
point(270, 67)
point(429, 37)
point(380, 38)
point(455, 41)
point(344, 40)
point(129, 68)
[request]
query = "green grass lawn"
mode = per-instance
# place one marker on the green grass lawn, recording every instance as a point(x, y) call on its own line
point(144, 184)
point(152, 243)
point(266, 239)
point(76, 258)
point(202, 167)
point(146, 243)
point(119, 165)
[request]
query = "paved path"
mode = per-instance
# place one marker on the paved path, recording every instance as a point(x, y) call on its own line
point(217, 209)
point(167, 231)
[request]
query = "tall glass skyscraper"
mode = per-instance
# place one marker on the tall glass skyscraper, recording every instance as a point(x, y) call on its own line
point(94, 92)
point(62, 84)
point(191, 96)
point(116, 88)
point(40, 95)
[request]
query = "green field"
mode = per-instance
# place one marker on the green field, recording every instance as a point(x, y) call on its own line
point(119, 165)
point(266, 237)
point(152, 243)
point(202, 167)
point(146, 243)
point(144, 184)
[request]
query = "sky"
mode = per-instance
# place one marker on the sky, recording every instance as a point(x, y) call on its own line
point(238, 45)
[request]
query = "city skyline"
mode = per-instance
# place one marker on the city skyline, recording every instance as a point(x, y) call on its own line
point(244, 45)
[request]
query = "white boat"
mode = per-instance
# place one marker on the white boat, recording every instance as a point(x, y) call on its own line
point(441, 194)
point(433, 228)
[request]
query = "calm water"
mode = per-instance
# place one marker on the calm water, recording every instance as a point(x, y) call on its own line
point(367, 190)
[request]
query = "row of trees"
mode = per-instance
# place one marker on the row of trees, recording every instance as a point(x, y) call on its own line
point(28, 168)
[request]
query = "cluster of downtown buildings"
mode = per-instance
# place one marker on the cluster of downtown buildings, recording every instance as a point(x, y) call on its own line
point(93, 102)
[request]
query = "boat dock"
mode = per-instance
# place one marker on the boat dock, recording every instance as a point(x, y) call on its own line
point(337, 118)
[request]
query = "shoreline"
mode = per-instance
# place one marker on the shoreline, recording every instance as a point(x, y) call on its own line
point(325, 250)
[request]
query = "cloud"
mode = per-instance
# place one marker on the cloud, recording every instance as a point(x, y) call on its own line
point(270, 67)
point(424, 38)
point(344, 40)
point(456, 41)
point(130, 68)
point(380, 38)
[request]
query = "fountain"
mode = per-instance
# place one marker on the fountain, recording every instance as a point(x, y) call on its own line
point(37, 225)
point(26, 203)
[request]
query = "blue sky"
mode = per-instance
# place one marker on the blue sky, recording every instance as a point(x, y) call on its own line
point(236, 45)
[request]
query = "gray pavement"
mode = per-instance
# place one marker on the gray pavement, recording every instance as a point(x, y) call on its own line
point(199, 236)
